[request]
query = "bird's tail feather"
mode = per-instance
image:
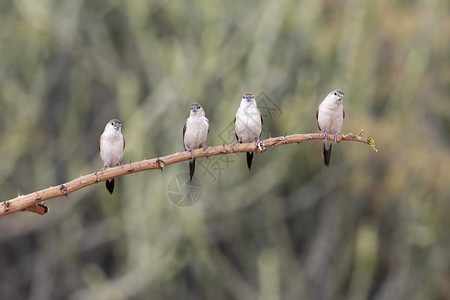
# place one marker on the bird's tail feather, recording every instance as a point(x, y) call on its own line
point(110, 185)
point(249, 160)
point(191, 169)
point(326, 153)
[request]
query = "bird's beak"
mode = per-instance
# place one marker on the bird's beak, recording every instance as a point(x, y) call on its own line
point(194, 108)
point(248, 97)
point(341, 97)
point(117, 126)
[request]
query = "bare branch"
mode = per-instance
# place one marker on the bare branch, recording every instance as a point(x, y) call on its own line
point(39, 208)
point(29, 202)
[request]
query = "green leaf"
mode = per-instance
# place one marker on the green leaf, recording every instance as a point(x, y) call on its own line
point(372, 145)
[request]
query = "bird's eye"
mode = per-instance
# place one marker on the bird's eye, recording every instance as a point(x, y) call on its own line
point(198, 107)
point(335, 93)
point(112, 123)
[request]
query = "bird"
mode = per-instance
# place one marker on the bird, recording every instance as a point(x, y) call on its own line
point(195, 133)
point(248, 124)
point(111, 146)
point(330, 115)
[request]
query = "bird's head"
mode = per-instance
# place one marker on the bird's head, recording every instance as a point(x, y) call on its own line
point(113, 126)
point(337, 95)
point(197, 109)
point(248, 99)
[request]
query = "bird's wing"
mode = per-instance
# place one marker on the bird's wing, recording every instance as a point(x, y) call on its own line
point(317, 118)
point(100, 143)
point(237, 138)
point(262, 121)
point(184, 130)
point(261, 117)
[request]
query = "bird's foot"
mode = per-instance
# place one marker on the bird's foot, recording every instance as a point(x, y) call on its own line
point(258, 144)
point(335, 137)
point(325, 134)
point(97, 179)
point(232, 145)
point(192, 153)
point(204, 147)
point(101, 170)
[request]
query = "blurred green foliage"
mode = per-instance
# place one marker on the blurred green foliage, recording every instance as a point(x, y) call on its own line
point(372, 226)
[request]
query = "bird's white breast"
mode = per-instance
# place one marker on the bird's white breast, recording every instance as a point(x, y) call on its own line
point(111, 148)
point(196, 132)
point(248, 125)
point(330, 116)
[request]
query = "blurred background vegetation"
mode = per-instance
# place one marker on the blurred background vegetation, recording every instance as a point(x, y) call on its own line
point(372, 226)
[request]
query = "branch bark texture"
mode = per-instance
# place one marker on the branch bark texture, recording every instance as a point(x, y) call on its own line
point(30, 201)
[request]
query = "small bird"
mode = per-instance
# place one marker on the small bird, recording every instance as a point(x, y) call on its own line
point(248, 124)
point(111, 148)
point(330, 116)
point(195, 132)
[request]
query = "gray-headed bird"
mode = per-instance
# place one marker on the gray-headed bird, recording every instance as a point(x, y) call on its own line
point(330, 116)
point(195, 132)
point(248, 124)
point(111, 145)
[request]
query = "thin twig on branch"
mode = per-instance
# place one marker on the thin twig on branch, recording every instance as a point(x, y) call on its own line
point(29, 202)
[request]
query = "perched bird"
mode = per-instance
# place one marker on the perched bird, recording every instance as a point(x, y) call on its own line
point(112, 144)
point(330, 116)
point(195, 132)
point(248, 124)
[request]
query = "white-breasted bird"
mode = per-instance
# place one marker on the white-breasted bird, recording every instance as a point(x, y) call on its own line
point(330, 116)
point(112, 144)
point(248, 124)
point(195, 133)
